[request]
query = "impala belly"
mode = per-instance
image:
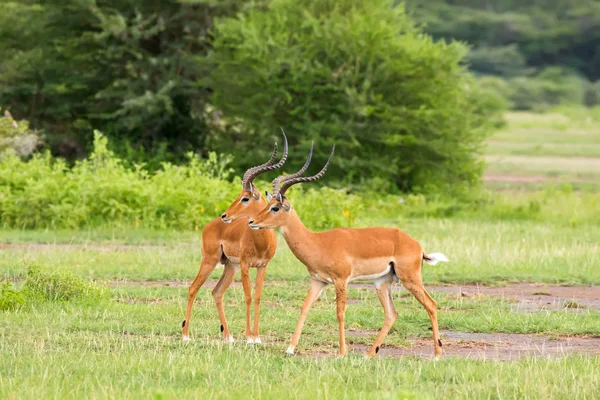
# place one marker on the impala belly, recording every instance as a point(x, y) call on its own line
point(372, 269)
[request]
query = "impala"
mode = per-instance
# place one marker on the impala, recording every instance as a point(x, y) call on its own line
point(236, 246)
point(339, 256)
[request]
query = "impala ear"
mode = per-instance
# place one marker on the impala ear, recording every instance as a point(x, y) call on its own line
point(269, 196)
point(286, 206)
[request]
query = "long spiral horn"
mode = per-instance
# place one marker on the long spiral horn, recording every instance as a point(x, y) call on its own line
point(270, 165)
point(290, 182)
point(280, 179)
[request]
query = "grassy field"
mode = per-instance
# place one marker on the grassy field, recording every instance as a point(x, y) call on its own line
point(126, 344)
point(546, 148)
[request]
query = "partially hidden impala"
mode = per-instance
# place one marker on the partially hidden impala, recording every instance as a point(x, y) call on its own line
point(232, 243)
point(339, 256)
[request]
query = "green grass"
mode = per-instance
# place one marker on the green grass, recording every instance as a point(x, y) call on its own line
point(127, 344)
point(563, 146)
point(129, 347)
point(480, 251)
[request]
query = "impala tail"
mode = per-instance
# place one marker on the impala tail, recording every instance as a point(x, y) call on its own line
point(434, 258)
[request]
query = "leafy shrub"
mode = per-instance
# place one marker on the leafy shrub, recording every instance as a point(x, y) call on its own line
point(398, 105)
point(16, 136)
point(10, 298)
point(552, 86)
point(100, 190)
point(326, 208)
point(61, 285)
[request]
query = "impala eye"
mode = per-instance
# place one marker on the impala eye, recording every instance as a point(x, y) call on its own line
point(245, 200)
point(274, 209)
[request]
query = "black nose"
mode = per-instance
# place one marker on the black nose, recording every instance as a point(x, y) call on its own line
point(224, 215)
point(250, 222)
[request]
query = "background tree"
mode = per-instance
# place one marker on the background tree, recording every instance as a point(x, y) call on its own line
point(400, 107)
point(127, 67)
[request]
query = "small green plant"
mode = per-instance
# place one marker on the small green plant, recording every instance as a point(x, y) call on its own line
point(61, 285)
point(10, 298)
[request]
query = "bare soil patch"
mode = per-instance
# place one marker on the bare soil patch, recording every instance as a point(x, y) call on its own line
point(533, 297)
point(514, 178)
point(526, 297)
point(478, 346)
point(495, 346)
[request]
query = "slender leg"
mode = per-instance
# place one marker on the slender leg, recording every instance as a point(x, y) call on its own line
point(207, 266)
point(316, 288)
point(260, 280)
point(248, 295)
point(385, 297)
point(417, 289)
point(341, 295)
point(218, 294)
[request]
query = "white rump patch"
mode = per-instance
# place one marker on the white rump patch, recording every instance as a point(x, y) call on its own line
point(436, 258)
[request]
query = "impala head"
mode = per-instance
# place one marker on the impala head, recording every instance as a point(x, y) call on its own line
point(278, 209)
point(250, 202)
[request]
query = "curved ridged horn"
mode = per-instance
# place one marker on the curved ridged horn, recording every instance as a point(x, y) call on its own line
point(270, 165)
point(277, 181)
point(286, 184)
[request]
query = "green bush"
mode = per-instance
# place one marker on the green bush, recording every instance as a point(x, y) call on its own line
point(399, 106)
point(552, 86)
point(61, 285)
point(10, 298)
point(100, 190)
point(16, 136)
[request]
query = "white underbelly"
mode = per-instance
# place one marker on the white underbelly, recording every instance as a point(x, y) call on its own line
point(373, 276)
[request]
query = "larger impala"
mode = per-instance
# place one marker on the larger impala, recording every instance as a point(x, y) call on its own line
point(234, 245)
point(339, 256)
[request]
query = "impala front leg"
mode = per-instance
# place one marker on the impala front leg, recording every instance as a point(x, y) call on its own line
point(316, 288)
point(248, 295)
point(341, 295)
point(206, 267)
point(260, 280)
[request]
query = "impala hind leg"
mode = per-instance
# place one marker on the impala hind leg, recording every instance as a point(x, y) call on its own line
point(316, 288)
point(384, 293)
point(260, 280)
point(218, 294)
point(206, 267)
point(418, 290)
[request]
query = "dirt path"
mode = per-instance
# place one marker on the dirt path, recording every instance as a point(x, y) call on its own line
point(525, 297)
point(491, 346)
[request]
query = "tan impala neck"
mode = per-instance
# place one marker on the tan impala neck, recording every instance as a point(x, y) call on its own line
point(300, 240)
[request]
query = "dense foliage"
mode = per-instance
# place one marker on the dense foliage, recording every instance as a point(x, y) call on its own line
point(101, 191)
point(153, 79)
point(399, 107)
point(163, 78)
point(127, 67)
point(512, 37)
point(547, 51)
